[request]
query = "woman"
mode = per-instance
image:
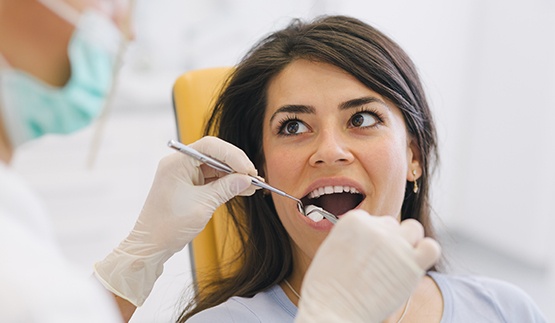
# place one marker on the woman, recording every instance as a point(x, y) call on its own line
point(333, 111)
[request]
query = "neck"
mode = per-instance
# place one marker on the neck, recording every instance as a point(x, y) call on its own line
point(301, 262)
point(289, 293)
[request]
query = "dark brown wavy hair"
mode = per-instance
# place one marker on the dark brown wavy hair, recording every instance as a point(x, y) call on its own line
point(362, 51)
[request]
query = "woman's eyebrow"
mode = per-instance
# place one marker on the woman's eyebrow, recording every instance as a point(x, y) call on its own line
point(293, 108)
point(361, 101)
point(306, 109)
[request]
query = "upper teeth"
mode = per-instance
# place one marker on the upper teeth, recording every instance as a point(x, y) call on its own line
point(331, 190)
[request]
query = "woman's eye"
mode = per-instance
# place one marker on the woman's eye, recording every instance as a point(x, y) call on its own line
point(293, 127)
point(363, 119)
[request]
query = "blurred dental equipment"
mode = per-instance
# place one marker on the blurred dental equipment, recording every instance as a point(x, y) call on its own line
point(313, 212)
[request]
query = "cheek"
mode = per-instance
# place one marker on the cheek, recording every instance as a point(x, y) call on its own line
point(387, 157)
point(387, 167)
point(280, 165)
point(272, 165)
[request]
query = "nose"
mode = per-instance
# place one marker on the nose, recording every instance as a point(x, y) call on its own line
point(331, 149)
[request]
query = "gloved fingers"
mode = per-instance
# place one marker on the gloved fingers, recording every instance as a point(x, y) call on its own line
point(412, 231)
point(358, 221)
point(249, 191)
point(363, 222)
point(227, 153)
point(387, 221)
point(210, 174)
point(229, 186)
point(427, 252)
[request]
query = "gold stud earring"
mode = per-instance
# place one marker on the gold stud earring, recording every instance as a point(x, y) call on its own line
point(415, 187)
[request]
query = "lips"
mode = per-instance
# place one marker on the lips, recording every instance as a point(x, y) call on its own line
point(337, 199)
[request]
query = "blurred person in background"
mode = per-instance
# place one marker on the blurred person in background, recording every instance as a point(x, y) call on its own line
point(57, 63)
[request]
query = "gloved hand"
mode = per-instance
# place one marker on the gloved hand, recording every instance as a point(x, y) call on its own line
point(365, 269)
point(183, 197)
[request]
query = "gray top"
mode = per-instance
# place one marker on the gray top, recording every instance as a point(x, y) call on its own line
point(465, 298)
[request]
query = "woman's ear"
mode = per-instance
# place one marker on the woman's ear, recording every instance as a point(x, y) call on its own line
point(414, 165)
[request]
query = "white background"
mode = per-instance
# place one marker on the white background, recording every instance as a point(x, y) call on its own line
point(489, 70)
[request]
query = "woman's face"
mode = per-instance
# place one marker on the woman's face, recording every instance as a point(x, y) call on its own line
point(334, 143)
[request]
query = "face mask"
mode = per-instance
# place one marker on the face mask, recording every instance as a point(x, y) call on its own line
point(32, 108)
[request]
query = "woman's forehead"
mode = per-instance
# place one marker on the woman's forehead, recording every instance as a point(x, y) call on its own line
point(313, 84)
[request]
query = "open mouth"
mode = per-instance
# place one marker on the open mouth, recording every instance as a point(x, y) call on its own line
point(334, 199)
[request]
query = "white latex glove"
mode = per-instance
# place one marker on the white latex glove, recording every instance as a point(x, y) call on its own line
point(183, 197)
point(365, 269)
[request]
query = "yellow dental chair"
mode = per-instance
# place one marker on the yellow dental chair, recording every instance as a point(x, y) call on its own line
point(194, 94)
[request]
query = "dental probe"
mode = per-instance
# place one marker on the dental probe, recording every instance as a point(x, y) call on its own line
point(221, 166)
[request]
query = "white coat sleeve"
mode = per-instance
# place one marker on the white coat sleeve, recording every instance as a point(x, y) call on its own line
point(39, 285)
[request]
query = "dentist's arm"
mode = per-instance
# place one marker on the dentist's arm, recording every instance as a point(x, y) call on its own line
point(183, 197)
point(366, 268)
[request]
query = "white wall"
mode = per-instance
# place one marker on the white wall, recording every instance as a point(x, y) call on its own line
point(504, 152)
point(489, 70)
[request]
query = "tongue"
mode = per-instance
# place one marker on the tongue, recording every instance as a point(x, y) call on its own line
point(338, 203)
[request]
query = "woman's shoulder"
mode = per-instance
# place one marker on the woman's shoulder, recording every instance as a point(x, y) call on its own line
point(271, 305)
point(485, 297)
